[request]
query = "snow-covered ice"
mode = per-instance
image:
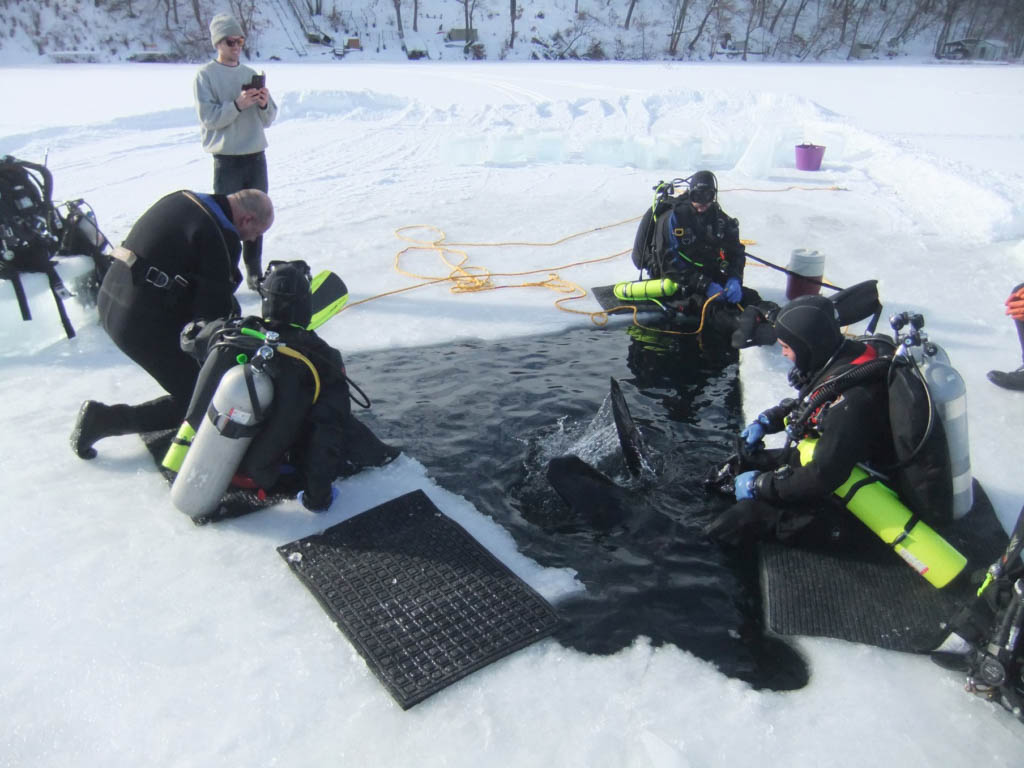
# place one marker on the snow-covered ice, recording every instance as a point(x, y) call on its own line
point(131, 637)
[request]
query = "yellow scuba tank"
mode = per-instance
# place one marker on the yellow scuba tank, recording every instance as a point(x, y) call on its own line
point(179, 447)
point(645, 289)
point(880, 509)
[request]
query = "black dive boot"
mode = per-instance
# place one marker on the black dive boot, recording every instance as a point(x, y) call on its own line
point(97, 420)
point(89, 427)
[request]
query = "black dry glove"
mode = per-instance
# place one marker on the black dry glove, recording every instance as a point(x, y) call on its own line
point(318, 505)
point(187, 340)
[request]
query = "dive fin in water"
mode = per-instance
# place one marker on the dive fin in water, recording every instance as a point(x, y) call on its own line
point(591, 495)
point(632, 443)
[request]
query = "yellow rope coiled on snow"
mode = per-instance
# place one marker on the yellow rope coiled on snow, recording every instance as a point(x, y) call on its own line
point(468, 278)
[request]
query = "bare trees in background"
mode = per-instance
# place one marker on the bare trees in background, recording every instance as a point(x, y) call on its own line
point(811, 29)
point(778, 30)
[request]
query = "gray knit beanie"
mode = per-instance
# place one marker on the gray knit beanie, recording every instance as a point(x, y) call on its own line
point(224, 25)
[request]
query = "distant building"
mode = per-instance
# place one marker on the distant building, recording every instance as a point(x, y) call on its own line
point(973, 48)
point(862, 51)
point(461, 36)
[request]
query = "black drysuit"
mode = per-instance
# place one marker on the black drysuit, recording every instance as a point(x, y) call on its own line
point(186, 252)
point(851, 428)
point(693, 249)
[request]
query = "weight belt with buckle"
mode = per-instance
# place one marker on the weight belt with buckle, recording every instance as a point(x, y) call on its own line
point(153, 276)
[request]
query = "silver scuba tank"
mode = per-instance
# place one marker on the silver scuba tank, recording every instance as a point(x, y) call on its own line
point(949, 394)
point(234, 417)
point(85, 222)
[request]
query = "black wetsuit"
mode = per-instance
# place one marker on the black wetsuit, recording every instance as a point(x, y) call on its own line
point(186, 267)
point(851, 428)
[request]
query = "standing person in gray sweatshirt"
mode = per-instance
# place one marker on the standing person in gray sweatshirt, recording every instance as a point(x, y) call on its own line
point(234, 108)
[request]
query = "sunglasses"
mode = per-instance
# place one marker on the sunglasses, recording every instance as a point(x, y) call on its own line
point(233, 42)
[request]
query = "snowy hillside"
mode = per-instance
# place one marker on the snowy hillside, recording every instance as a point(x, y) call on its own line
point(309, 30)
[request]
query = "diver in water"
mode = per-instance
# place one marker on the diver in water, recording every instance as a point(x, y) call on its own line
point(775, 493)
point(696, 244)
point(691, 241)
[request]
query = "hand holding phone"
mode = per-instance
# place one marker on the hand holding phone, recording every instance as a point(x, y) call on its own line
point(258, 81)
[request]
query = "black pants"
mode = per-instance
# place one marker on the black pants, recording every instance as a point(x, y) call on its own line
point(724, 319)
point(750, 520)
point(152, 340)
point(232, 173)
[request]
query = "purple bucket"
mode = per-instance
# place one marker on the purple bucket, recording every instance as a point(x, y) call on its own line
point(808, 157)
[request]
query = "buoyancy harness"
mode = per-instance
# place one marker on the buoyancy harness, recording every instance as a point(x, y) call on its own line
point(808, 410)
point(922, 472)
point(234, 404)
point(33, 232)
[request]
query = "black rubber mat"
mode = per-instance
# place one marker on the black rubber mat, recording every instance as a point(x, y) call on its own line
point(236, 501)
point(421, 600)
point(865, 593)
point(363, 449)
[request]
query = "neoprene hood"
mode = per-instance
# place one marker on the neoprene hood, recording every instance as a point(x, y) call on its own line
point(286, 295)
point(810, 326)
point(703, 187)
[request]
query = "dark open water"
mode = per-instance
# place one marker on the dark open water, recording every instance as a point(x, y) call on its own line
point(485, 419)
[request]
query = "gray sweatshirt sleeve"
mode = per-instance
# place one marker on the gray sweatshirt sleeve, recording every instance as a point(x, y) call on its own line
point(214, 112)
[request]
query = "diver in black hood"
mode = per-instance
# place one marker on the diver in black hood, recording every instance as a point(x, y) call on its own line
point(775, 494)
point(310, 428)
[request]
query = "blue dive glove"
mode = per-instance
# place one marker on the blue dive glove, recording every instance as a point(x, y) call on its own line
point(756, 431)
point(733, 290)
point(744, 484)
point(302, 500)
point(753, 435)
point(714, 288)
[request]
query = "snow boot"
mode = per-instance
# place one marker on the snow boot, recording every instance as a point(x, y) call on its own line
point(253, 267)
point(1008, 380)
